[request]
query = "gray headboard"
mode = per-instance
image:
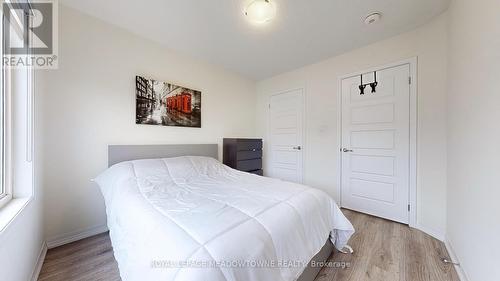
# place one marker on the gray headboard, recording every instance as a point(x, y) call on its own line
point(120, 153)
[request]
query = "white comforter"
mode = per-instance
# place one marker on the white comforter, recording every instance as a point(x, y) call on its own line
point(192, 218)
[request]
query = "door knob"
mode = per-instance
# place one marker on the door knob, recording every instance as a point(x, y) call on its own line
point(297, 147)
point(346, 150)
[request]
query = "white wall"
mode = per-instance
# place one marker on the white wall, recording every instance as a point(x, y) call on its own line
point(21, 243)
point(89, 103)
point(473, 227)
point(320, 81)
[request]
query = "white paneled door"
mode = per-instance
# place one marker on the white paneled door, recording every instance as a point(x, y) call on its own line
point(375, 144)
point(285, 135)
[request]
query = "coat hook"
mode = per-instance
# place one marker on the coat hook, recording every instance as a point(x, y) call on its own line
point(374, 84)
point(362, 86)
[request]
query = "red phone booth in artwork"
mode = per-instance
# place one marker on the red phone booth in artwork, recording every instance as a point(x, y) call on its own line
point(181, 102)
point(186, 103)
point(178, 102)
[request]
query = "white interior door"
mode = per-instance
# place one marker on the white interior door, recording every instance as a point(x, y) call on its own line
point(375, 144)
point(285, 136)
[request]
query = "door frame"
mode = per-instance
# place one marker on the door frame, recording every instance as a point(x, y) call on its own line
point(268, 130)
point(412, 192)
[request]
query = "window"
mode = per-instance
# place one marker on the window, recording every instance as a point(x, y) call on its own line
point(15, 114)
point(5, 190)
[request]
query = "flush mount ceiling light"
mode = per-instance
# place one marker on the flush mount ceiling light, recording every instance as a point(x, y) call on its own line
point(373, 18)
point(260, 11)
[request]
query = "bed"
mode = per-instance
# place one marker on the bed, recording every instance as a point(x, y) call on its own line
point(176, 213)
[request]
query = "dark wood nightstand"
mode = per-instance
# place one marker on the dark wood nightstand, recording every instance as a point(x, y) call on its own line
point(243, 154)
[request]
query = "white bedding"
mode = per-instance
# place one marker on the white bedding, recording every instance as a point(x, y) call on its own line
point(192, 218)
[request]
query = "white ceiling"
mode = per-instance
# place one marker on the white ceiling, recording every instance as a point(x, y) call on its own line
point(303, 32)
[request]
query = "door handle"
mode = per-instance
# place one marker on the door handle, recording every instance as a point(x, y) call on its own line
point(297, 147)
point(347, 150)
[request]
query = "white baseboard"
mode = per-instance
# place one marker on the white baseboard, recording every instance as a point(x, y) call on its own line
point(66, 238)
point(39, 262)
point(436, 234)
point(454, 258)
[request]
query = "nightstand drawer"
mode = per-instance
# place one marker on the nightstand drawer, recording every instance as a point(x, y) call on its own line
point(249, 165)
point(249, 154)
point(249, 145)
point(257, 172)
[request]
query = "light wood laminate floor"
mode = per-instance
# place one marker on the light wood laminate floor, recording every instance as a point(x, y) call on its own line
point(384, 250)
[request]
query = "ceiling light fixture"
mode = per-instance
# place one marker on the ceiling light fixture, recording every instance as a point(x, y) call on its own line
point(260, 11)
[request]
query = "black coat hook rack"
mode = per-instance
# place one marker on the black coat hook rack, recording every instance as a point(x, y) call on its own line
point(373, 84)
